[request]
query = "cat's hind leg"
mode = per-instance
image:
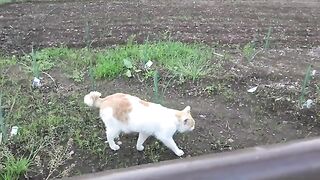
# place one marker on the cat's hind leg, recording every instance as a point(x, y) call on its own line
point(141, 139)
point(111, 135)
point(112, 130)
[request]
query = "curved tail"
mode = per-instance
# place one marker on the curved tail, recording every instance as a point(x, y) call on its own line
point(93, 99)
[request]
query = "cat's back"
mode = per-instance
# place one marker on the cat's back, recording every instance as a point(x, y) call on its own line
point(134, 107)
point(142, 105)
point(148, 112)
point(122, 100)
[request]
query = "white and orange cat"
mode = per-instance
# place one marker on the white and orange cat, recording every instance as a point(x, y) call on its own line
point(126, 113)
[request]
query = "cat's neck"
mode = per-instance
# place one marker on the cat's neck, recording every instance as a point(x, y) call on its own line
point(98, 102)
point(166, 110)
point(175, 114)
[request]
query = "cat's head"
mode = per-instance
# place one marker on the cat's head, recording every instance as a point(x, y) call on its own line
point(91, 98)
point(186, 121)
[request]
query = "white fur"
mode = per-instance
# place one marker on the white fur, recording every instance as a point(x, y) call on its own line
point(153, 120)
point(90, 98)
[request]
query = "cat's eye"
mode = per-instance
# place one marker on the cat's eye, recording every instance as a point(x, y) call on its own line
point(185, 121)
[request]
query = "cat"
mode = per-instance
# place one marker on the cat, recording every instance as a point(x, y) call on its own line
point(126, 113)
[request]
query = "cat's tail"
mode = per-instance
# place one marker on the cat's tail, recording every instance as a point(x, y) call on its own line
point(93, 99)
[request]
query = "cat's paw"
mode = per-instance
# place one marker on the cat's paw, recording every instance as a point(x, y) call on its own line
point(140, 148)
point(115, 147)
point(179, 152)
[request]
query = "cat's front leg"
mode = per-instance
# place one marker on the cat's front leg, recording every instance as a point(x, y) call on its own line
point(169, 142)
point(111, 134)
point(141, 139)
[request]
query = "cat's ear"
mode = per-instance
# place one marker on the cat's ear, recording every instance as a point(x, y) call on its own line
point(187, 109)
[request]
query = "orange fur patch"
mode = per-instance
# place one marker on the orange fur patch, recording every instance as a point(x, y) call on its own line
point(120, 105)
point(145, 103)
point(179, 115)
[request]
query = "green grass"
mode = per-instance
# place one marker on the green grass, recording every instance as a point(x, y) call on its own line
point(6, 61)
point(109, 64)
point(35, 67)
point(11, 166)
point(267, 39)
point(304, 87)
point(52, 119)
point(3, 134)
point(187, 60)
point(5, 1)
point(43, 59)
point(249, 51)
point(47, 117)
point(14, 168)
point(190, 61)
point(74, 61)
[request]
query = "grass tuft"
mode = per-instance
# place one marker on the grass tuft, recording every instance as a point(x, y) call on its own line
point(109, 65)
point(157, 97)
point(35, 66)
point(267, 39)
point(12, 167)
point(249, 51)
point(187, 60)
point(3, 132)
point(304, 87)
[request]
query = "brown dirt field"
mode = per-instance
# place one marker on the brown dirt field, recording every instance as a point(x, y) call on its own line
point(223, 121)
point(295, 24)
